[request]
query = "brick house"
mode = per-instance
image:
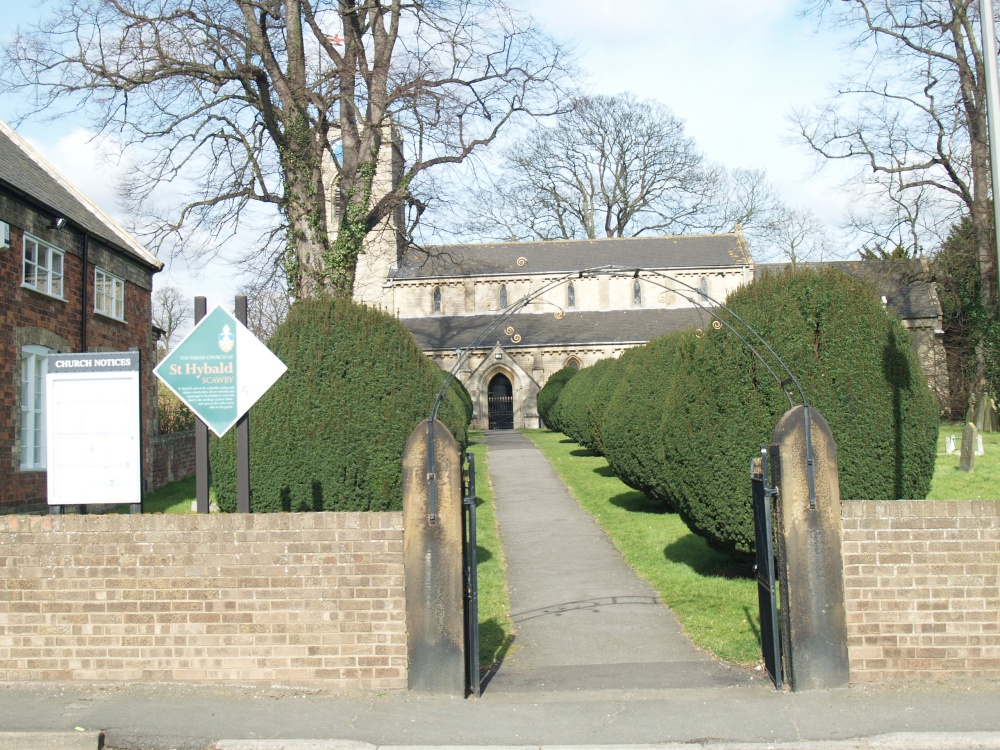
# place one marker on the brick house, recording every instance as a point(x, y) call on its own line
point(71, 280)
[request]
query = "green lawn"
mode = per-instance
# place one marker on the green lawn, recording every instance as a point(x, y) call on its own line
point(495, 631)
point(714, 601)
point(175, 497)
point(951, 484)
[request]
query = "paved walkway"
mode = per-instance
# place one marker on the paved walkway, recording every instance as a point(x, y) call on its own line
point(583, 620)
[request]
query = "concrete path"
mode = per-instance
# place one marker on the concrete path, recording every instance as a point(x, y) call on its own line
point(583, 620)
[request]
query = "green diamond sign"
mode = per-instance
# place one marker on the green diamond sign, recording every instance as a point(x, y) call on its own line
point(219, 370)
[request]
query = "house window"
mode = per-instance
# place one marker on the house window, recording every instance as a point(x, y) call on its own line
point(503, 297)
point(109, 295)
point(4, 234)
point(437, 299)
point(570, 295)
point(636, 292)
point(33, 359)
point(43, 267)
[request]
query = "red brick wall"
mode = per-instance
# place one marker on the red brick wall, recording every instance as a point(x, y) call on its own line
point(922, 588)
point(22, 310)
point(173, 457)
point(296, 599)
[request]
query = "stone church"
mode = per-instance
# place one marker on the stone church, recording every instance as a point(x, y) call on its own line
point(571, 303)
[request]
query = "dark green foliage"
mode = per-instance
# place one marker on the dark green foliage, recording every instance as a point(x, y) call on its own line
point(967, 322)
point(632, 431)
point(580, 407)
point(549, 394)
point(855, 363)
point(330, 434)
point(463, 395)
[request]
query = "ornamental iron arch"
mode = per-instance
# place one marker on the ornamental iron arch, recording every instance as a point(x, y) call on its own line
point(696, 295)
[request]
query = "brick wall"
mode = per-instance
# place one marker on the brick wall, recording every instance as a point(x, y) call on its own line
point(922, 584)
point(293, 599)
point(173, 457)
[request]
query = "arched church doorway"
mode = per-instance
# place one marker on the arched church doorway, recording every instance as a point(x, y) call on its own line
point(500, 403)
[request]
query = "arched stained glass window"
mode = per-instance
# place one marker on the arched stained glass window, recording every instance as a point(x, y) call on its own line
point(573, 362)
point(636, 292)
point(571, 295)
point(437, 299)
point(503, 297)
point(703, 286)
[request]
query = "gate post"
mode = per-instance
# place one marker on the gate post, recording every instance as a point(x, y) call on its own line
point(810, 564)
point(432, 550)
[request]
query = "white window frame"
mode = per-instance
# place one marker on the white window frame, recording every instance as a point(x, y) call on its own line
point(4, 235)
point(45, 272)
point(33, 369)
point(108, 303)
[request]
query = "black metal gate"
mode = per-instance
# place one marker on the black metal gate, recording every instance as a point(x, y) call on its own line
point(767, 592)
point(471, 580)
point(500, 403)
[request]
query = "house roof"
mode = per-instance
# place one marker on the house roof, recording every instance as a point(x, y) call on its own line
point(26, 171)
point(566, 256)
point(904, 283)
point(442, 332)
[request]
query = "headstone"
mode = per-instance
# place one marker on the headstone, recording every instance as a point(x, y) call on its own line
point(810, 564)
point(432, 549)
point(967, 459)
point(979, 445)
point(981, 400)
point(949, 445)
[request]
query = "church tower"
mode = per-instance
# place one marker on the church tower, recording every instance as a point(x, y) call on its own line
point(383, 245)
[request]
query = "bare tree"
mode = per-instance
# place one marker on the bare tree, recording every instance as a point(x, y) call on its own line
point(171, 314)
point(267, 307)
point(914, 120)
point(233, 103)
point(614, 166)
point(797, 236)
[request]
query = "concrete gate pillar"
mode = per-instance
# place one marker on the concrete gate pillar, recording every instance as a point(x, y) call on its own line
point(432, 549)
point(810, 564)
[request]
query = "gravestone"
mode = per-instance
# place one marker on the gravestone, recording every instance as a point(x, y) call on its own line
point(949, 445)
point(979, 445)
point(432, 549)
point(967, 459)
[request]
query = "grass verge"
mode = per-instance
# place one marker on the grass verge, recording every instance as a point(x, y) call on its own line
point(495, 629)
point(717, 610)
point(951, 484)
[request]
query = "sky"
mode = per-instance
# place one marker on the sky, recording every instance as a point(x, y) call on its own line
point(733, 70)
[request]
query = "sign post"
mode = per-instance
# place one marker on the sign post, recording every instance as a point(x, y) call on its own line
point(93, 429)
point(219, 371)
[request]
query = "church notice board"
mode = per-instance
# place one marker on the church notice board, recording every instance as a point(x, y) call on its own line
point(93, 428)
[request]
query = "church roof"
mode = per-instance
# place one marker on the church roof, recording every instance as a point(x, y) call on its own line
point(566, 256)
point(544, 329)
point(25, 171)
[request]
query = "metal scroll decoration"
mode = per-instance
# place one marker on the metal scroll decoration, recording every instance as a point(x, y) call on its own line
point(514, 336)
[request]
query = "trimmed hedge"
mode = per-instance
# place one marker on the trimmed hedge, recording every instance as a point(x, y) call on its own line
point(856, 365)
point(632, 431)
point(330, 434)
point(581, 404)
point(549, 394)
